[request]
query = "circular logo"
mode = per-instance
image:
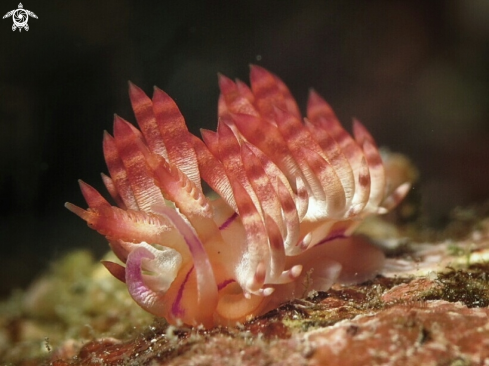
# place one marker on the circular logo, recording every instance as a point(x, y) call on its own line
point(20, 18)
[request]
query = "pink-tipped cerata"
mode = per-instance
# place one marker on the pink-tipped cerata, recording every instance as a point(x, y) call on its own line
point(290, 192)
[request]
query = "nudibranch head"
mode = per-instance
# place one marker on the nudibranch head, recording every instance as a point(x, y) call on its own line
point(291, 192)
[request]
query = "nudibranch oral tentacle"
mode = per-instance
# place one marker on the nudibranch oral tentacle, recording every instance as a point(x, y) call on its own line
point(291, 191)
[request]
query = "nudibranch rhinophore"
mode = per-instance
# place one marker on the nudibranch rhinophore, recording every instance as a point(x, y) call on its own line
point(291, 192)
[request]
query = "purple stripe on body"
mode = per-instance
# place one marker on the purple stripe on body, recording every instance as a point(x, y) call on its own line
point(229, 221)
point(176, 309)
point(224, 284)
point(333, 236)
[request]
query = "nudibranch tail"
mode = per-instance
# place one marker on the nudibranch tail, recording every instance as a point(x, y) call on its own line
point(291, 191)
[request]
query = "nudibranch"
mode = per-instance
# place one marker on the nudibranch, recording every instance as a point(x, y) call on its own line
point(291, 191)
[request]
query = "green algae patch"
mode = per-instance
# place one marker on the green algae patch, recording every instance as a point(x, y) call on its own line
point(75, 301)
point(469, 286)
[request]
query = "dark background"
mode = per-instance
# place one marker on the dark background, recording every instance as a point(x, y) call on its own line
point(415, 72)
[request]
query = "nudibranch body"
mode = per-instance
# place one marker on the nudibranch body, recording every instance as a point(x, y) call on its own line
point(291, 192)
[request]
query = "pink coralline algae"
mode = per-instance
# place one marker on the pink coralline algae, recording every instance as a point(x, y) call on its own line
point(291, 192)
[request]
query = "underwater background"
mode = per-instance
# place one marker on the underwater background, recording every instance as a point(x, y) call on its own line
point(414, 72)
